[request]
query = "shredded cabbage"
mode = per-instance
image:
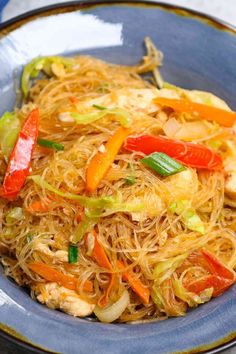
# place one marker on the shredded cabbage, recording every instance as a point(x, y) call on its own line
point(8, 136)
point(15, 214)
point(33, 68)
point(164, 269)
point(120, 115)
point(188, 215)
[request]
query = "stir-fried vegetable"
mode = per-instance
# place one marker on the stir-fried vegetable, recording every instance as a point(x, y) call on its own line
point(89, 202)
point(188, 215)
point(162, 164)
point(199, 110)
point(39, 206)
point(50, 274)
point(192, 299)
point(119, 114)
point(130, 180)
point(8, 136)
point(49, 65)
point(73, 254)
point(97, 252)
point(189, 154)
point(164, 269)
point(20, 158)
point(86, 225)
point(50, 144)
point(15, 214)
point(219, 278)
point(101, 162)
point(111, 313)
point(136, 285)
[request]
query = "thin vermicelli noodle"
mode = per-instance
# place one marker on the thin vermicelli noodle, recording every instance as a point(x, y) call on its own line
point(159, 227)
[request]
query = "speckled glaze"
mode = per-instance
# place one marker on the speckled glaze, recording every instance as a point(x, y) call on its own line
point(200, 54)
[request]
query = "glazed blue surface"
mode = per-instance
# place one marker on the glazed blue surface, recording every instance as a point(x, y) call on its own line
point(198, 56)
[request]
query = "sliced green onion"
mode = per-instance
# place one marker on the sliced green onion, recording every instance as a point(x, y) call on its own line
point(162, 164)
point(50, 144)
point(73, 254)
point(130, 180)
point(29, 237)
point(101, 108)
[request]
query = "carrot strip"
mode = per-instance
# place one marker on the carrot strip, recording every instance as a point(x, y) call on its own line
point(52, 275)
point(101, 162)
point(137, 286)
point(98, 253)
point(225, 118)
point(39, 206)
point(104, 299)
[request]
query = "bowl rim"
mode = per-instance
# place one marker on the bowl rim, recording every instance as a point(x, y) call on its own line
point(70, 6)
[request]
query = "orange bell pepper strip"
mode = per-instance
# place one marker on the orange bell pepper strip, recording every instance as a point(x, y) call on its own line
point(101, 162)
point(136, 285)
point(52, 275)
point(20, 158)
point(225, 118)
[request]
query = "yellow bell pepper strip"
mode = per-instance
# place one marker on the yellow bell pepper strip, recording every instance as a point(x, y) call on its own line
point(101, 162)
point(199, 110)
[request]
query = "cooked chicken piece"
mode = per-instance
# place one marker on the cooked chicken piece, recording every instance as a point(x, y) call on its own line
point(230, 169)
point(58, 297)
point(138, 100)
point(58, 256)
point(230, 185)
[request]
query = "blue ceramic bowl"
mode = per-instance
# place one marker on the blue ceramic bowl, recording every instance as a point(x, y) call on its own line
point(200, 53)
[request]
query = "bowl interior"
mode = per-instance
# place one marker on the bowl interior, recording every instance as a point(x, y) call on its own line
point(199, 54)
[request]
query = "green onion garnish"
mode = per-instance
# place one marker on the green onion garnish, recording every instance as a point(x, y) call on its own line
point(73, 254)
point(130, 180)
point(101, 108)
point(162, 164)
point(50, 144)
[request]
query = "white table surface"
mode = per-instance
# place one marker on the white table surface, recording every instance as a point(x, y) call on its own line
point(223, 9)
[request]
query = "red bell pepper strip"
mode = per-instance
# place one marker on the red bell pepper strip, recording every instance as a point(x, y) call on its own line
point(20, 158)
point(189, 154)
point(219, 285)
point(220, 277)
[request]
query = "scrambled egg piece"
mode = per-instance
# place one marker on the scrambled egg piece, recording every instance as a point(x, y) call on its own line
point(58, 297)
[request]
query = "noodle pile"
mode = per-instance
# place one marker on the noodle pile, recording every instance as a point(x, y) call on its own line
point(140, 239)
